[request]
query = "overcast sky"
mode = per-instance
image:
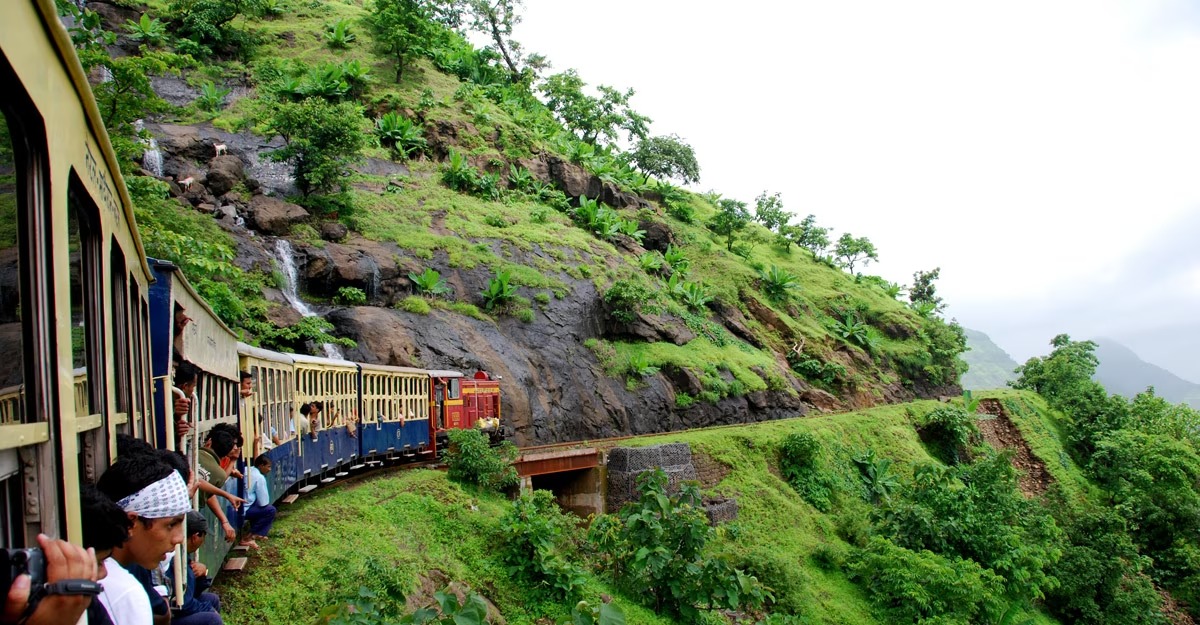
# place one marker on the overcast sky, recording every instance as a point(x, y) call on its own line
point(1043, 154)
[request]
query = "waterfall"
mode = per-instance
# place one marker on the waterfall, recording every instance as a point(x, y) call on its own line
point(152, 160)
point(291, 275)
point(373, 282)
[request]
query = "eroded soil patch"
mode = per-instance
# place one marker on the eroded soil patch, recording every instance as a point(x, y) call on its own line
point(1001, 433)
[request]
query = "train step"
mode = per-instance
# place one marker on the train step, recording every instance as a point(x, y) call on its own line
point(357, 467)
point(341, 474)
point(291, 498)
point(235, 564)
point(304, 490)
point(328, 480)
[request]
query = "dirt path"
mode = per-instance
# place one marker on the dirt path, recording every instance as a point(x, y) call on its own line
point(1001, 433)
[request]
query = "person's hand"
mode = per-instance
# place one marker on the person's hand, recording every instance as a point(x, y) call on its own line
point(230, 534)
point(63, 561)
point(233, 499)
point(198, 569)
point(182, 427)
point(182, 405)
point(235, 473)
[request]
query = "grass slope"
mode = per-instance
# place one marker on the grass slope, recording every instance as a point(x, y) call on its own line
point(387, 531)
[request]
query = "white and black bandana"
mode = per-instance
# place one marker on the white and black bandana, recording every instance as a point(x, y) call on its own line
point(165, 498)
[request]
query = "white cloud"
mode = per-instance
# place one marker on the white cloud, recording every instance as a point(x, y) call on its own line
point(1028, 148)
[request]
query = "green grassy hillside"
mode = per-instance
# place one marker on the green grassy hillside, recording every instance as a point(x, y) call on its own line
point(407, 524)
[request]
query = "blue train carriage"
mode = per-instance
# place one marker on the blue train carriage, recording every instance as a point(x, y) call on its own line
point(332, 444)
point(395, 412)
point(182, 325)
point(73, 278)
point(270, 412)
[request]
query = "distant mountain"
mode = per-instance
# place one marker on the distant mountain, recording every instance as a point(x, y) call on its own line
point(990, 366)
point(1121, 371)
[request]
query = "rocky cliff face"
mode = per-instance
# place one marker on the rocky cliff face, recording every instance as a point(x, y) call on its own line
point(555, 388)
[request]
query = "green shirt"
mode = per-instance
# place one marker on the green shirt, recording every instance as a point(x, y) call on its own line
point(212, 465)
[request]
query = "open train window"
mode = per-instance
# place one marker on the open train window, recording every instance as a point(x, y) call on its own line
point(87, 340)
point(12, 367)
point(122, 329)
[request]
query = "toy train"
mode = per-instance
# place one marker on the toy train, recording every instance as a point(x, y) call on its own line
point(89, 326)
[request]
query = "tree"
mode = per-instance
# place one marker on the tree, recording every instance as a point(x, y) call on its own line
point(923, 293)
point(206, 25)
point(668, 158)
point(768, 211)
point(403, 28)
point(591, 117)
point(809, 235)
point(496, 18)
point(732, 217)
point(321, 140)
point(853, 250)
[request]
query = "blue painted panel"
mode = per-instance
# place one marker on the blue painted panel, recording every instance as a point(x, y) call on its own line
point(285, 468)
point(415, 434)
point(161, 321)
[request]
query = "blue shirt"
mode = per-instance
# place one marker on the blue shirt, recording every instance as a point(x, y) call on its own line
point(257, 494)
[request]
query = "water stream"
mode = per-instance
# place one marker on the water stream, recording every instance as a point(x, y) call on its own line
point(287, 264)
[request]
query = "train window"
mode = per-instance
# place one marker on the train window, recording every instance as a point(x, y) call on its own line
point(121, 329)
point(454, 388)
point(12, 367)
point(85, 268)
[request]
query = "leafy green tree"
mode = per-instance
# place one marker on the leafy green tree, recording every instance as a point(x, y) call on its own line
point(668, 158)
point(403, 29)
point(768, 211)
point(207, 25)
point(593, 118)
point(851, 251)
point(535, 544)
point(320, 139)
point(923, 291)
point(732, 217)
point(809, 235)
point(496, 19)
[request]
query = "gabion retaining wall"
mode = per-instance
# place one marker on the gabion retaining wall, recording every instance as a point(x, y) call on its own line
point(625, 464)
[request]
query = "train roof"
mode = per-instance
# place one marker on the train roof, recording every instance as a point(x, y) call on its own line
point(391, 369)
point(440, 373)
point(263, 354)
point(207, 342)
point(61, 41)
point(317, 360)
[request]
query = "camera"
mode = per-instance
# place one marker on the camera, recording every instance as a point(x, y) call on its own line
point(15, 562)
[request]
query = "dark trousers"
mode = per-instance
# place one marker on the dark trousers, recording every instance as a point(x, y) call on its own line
point(206, 617)
point(260, 519)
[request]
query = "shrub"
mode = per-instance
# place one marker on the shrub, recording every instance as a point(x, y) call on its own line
point(535, 535)
point(498, 292)
point(677, 259)
point(470, 459)
point(695, 295)
point(947, 432)
point(338, 34)
point(403, 136)
point(150, 31)
point(802, 466)
point(212, 97)
point(778, 283)
point(626, 299)
point(350, 296)
point(654, 547)
point(921, 587)
point(878, 482)
point(640, 366)
point(430, 282)
point(416, 305)
point(651, 262)
point(321, 141)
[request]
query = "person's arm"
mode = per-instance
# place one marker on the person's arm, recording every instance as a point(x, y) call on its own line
point(63, 561)
point(230, 533)
point(213, 490)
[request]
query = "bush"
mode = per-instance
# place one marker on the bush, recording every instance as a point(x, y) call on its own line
point(947, 433)
point(535, 536)
point(626, 299)
point(350, 296)
point(499, 291)
point(470, 459)
point(640, 366)
point(654, 547)
point(921, 587)
point(802, 466)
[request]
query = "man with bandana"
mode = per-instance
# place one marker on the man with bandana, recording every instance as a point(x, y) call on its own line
point(155, 499)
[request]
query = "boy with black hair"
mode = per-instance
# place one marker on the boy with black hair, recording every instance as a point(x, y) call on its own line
point(259, 511)
point(105, 528)
point(155, 499)
point(200, 607)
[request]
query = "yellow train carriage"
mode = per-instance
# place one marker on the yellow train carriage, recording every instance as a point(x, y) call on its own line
point(395, 410)
point(68, 242)
point(331, 440)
